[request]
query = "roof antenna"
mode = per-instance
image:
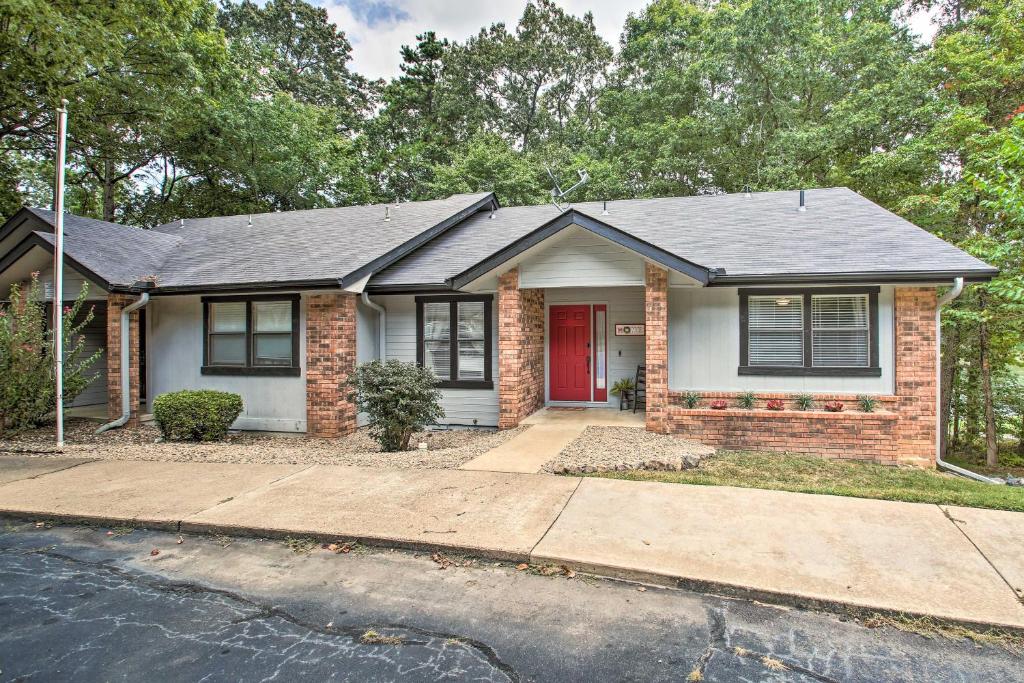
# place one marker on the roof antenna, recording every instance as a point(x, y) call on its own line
point(557, 193)
point(387, 213)
point(746, 191)
point(604, 211)
point(803, 205)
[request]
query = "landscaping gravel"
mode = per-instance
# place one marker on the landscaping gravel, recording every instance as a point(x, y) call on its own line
point(604, 449)
point(446, 448)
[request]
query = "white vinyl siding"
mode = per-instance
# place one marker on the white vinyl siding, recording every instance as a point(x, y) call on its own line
point(578, 258)
point(840, 329)
point(776, 330)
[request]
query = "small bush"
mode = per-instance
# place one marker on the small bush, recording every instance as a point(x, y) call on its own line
point(834, 407)
point(804, 401)
point(867, 403)
point(776, 404)
point(624, 384)
point(399, 398)
point(747, 400)
point(196, 415)
point(691, 399)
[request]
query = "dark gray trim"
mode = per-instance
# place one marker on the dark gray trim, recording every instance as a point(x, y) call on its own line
point(329, 283)
point(872, 370)
point(574, 217)
point(439, 287)
point(401, 251)
point(881, 277)
point(453, 334)
point(17, 220)
point(293, 370)
point(33, 240)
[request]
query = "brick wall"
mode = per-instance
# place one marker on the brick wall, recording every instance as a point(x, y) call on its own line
point(520, 350)
point(330, 358)
point(656, 356)
point(915, 373)
point(115, 303)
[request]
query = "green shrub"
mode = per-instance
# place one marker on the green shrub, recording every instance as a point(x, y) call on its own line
point(691, 399)
point(867, 403)
point(746, 400)
point(27, 388)
point(398, 398)
point(196, 415)
point(804, 401)
point(624, 384)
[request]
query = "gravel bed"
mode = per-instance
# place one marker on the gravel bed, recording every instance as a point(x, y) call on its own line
point(604, 449)
point(446, 448)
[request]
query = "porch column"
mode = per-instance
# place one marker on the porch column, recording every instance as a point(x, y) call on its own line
point(656, 357)
point(330, 359)
point(520, 350)
point(915, 374)
point(115, 303)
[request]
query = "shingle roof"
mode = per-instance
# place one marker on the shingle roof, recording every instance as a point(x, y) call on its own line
point(840, 233)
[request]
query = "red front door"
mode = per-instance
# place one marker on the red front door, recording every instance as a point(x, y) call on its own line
point(570, 353)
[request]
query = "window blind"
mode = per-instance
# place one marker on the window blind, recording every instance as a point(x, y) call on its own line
point(436, 338)
point(840, 330)
point(471, 340)
point(776, 330)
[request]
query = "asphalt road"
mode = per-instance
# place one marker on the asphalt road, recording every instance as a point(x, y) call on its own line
point(78, 604)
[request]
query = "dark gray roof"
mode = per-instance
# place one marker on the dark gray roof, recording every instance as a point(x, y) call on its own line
point(764, 235)
point(114, 253)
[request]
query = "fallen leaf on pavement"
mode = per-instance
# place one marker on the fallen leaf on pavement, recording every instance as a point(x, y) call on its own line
point(522, 566)
point(181, 539)
point(154, 552)
point(642, 589)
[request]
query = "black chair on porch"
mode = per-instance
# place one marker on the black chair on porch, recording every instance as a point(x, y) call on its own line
point(640, 390)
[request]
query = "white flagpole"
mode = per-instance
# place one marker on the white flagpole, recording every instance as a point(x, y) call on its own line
point(58, 270)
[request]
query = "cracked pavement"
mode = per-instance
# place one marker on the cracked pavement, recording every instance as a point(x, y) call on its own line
point(77, 604)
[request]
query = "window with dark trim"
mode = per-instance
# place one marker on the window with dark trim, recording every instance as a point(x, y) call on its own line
point(825, 331)
point(251, 335)
point(453, 338)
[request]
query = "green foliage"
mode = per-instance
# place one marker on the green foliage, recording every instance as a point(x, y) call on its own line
point(399, 399)
point(27, 389)
point(867, 403)
point(746, 400)
point(623, 384)
point(804, 401)
point(691, 399)
point(196, 415)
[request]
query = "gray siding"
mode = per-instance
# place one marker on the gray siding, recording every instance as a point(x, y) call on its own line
point(367, 340)
point(579, 258)
point(176, 355)
point(625, 305)
point(95, 334)
point(704, 348)
point(461, 406)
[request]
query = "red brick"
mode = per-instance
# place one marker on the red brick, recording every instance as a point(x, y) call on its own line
point(330, 359)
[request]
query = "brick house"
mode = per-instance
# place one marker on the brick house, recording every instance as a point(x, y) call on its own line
point(515, 308)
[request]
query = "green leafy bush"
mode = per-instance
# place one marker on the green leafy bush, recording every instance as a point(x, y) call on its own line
point(691, 399)
point(27, 387)
point(196, 415)
point(804, 401)
point(867, 403)
point(746, 400)
point(624, 384)
point(399, 399)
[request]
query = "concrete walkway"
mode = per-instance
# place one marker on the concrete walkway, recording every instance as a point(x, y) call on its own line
point(952, 563)
point(550, 430)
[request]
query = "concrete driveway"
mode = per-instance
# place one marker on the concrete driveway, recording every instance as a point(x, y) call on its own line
point(903, 557)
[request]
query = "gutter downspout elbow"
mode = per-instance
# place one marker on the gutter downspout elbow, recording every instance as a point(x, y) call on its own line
point(958, 288)
point(382, 324)
point(126, 396)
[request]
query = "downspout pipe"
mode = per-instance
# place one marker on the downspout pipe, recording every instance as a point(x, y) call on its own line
point(126, 375)
point(382, 324)
point(958, 288)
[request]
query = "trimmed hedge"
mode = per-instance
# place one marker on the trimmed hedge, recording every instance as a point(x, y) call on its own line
point(196, 415)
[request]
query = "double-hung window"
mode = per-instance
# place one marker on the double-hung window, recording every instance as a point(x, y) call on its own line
point(453, 338)
point(253, 335)
point(823, 331)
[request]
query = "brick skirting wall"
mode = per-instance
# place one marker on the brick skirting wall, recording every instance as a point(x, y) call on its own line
point(115, 303)
point(520, 350)
point(901, 430)
point(330, 358)
point(656, 358)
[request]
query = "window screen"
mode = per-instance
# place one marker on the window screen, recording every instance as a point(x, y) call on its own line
point(840, 331)
point(437, 338)
point(776, 330)
point(471, 340)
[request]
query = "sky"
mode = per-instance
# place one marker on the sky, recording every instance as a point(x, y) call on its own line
point(377, 29)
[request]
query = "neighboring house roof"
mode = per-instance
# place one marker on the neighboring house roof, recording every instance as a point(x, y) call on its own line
point(717, 240)
point(763, 237)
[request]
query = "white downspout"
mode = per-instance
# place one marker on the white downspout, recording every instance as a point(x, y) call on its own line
point(382, 324)
point(958, 288)
point(126, 395)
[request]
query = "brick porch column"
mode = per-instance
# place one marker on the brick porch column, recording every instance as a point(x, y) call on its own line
point(520, 350)
point(115, 303)
point(656, 358)
point(330, 359)
point(915, 374)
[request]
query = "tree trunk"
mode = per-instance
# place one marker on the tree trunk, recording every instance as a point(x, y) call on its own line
point(108, 190)
point(991, 445)
point(949, 361)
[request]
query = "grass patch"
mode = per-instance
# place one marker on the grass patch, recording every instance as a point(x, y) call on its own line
point(807, 474)
point(371, 637)
point(930, 628)
point(301, 545)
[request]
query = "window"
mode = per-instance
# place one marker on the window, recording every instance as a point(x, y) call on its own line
point(257, 335)
point(454, 339)
point(827, 331)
